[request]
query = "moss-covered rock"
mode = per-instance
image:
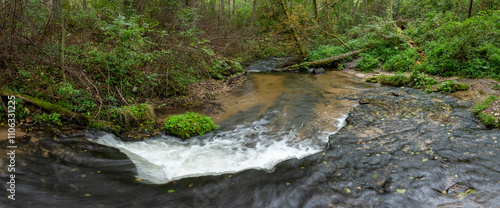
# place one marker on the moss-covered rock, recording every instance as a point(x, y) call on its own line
point(133, 116)
point(188, 124)
point(372, 79)
point(488, 112)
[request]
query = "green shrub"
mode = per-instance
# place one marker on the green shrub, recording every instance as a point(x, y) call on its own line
point(487, 119)
point(325, 51)
point(52, 118)
point(419, 80)
point(188, 124)
point(367, 64)
point(465, 48)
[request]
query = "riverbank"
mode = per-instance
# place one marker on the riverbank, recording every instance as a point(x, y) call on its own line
point(480, 88)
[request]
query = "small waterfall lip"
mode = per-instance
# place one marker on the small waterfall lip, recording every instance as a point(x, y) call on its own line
point(254, 145)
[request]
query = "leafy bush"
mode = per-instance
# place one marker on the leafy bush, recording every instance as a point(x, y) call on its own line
point(402, 62)
point(368, 63)
point(325, 51)
point(188, 124)
point(75, 100)
point(419, 80)
point(52, 118)
point(467, 48)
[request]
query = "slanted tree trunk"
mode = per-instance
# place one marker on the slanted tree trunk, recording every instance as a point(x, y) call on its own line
point(320, 63)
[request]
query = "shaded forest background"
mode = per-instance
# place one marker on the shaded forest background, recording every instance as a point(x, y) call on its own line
point(86, 54)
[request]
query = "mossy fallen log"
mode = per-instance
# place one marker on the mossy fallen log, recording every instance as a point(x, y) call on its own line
point(82, 119)
point(320, 63)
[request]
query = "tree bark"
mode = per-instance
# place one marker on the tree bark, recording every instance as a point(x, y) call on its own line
point(295, 34)
point(470, 8)
point(315, 8)
point(222, 12)
point(320, 63)
point(253, 15)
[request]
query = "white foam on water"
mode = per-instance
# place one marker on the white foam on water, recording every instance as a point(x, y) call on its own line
point(252, 146)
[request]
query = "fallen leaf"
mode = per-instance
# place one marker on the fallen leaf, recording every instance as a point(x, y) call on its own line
point(401, 191)
point(171, 191)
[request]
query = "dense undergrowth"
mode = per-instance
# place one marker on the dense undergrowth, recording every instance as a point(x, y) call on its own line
point(117, 60)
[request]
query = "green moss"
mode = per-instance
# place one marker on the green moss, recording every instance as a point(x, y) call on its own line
point(487, 119)
point(134, 115)
point(396, 80)
point(451, 86)
point(188, 124)
point(372, 79)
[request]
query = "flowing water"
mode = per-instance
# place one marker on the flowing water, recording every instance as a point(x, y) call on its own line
point(286, 140)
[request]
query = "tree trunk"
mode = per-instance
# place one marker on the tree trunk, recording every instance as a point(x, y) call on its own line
point(295, 34)
point(470, 8)
point(62, 45)
point(253, 15)
point(229, 9)
point(320, 63)
point(222, 14)
point(84, 4)
point(234, 6)
point(315, 8)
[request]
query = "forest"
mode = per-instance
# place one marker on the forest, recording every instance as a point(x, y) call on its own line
point(118, 60)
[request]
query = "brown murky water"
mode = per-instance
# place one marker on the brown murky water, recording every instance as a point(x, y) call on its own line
point(319, 93)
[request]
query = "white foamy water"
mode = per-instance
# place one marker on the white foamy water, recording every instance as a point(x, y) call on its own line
point(164, 159)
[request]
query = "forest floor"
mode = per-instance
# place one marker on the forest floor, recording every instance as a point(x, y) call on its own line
point(480, 88)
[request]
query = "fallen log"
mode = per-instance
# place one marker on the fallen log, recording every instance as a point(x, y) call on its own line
point(320, 63)
point(80, 117)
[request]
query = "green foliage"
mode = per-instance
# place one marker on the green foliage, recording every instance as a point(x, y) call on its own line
point(467, 48)
point(75, 100)
point(223, 67)
point(52, 118)
point(402, 62)
point(420, 80)
point(452, 86)
point(325, 51)
point(368, 63)
point(487, 119)
point(188, 124)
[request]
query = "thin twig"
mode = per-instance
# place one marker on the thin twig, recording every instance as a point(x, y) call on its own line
point(119, 93)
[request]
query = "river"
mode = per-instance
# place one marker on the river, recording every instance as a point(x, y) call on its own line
point(286, 140)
